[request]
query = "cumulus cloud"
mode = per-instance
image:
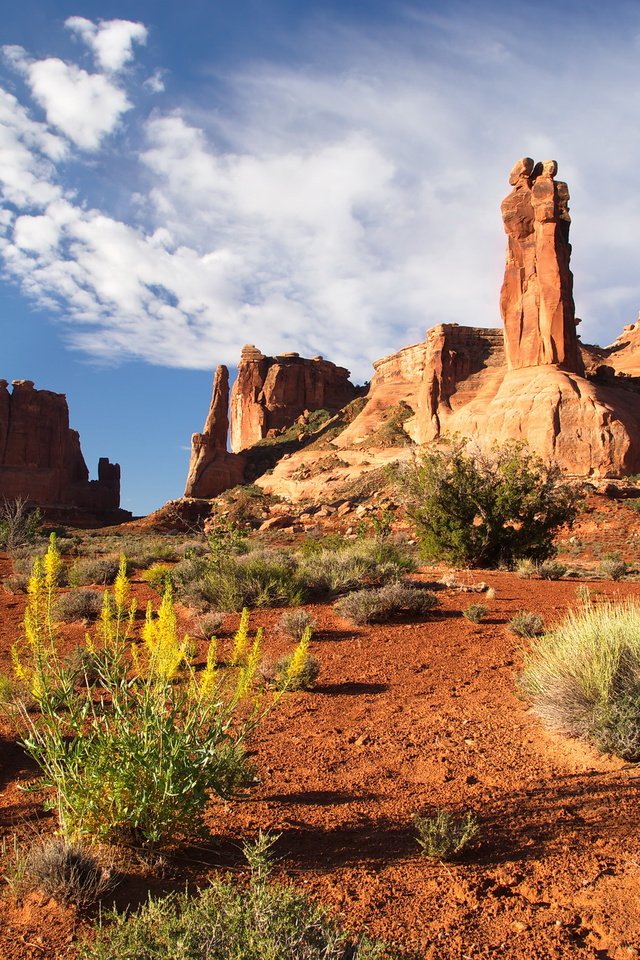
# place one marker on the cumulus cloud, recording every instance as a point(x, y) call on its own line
point(339, 208)
point(84, 106)
point(110, 40)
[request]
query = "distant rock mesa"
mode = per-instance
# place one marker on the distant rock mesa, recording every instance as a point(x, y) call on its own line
point(41, 459)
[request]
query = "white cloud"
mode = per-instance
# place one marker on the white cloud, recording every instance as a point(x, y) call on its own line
point(84, 106)
point(333, 209)
point(110, 40)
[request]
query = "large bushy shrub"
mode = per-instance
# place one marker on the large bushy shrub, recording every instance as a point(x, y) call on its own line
point(486, 509)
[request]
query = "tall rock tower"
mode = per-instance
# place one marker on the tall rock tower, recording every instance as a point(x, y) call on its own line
point(536, 300)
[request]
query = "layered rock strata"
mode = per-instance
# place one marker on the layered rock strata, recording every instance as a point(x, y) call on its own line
point(41, 459)
point(270, 393)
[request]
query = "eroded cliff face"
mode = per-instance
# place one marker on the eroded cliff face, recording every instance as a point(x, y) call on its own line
point(270, 393)
point(212, 469)
point(41, 459)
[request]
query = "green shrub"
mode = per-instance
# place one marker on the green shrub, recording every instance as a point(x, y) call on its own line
point(445, 836)
point(158, 576)
point(277, 673)
point(551, 570)
point(488, 509)
point(377, 605)
point(93, 570)
point(372, 561)
point(260, 579)
point(526, 624)
point(475, 612)
point(227, 921)
point(79, 605)
point(584, 678)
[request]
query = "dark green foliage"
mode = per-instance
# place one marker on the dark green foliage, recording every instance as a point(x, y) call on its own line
point(261, 921)
point(488, 509)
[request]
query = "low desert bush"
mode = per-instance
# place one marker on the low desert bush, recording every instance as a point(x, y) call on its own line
point(259, 579)
point(527, 569)
point(486, 509)
point(475, 612)
point(228, 921)
point(584, 677)
point(372, 561)
point(613, 568)
point(102, 570)
point(79, 604)
point(293, 623)
point(69, 873)
point(158, 576)
point(296, 671)
point(526, 624)
point(208, 625)
point(16, 583)
point(445, 835)
point(551, 570)
point(376, 605)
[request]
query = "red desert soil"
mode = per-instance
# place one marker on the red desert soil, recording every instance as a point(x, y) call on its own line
point(407, 718)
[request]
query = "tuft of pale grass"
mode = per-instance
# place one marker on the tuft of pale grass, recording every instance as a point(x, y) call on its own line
point(584, 678)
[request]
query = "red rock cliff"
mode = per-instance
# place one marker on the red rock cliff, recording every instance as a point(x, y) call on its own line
point(211, 469)
point(271, 392)
point(40, 456)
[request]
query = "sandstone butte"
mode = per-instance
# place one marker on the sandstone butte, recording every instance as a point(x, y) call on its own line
point(41, 459)
point(532, 380)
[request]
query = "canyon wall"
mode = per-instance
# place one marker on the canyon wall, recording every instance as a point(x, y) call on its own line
point(41, 459)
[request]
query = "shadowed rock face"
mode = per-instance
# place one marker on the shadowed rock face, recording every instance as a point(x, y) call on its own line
point(536, 300)
point(272, 392)
point(40, 456)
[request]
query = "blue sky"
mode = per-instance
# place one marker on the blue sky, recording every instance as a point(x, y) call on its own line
point(178, 179)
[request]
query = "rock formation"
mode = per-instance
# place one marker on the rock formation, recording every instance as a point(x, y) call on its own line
point(211, 468)
point(536, 300)
point(41, 459)
point(270, 393)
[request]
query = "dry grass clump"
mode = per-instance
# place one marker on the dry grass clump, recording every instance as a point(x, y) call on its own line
point(552, 570)
point(16, 583)
point(102, 570)
point(584, 678)
point(208, 625)
point(377, 605)
point(612, 568)
point(277, 673)
point(526, 624)
point(293, 623)
point(373, 561)
point(79, 604)
point(67, 872)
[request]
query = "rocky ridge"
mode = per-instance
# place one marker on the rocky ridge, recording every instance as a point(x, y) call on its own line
point(533, 380)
